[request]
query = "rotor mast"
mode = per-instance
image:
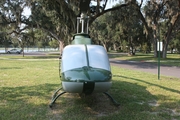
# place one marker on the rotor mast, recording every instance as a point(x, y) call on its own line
point(82, 23)
point(83, 20)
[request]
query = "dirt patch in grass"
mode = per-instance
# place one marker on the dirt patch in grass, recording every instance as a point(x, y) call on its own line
point(97, 104)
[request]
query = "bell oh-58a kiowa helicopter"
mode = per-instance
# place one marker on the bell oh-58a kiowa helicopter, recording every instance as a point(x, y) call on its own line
point(85, 67)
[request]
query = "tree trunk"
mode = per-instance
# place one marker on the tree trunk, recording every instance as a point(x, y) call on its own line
point(164, 54)
point(114, 47)
point(105, 47)
point(23, 51)
point(172, 50)
point(155, 48)
point(155, 40)
point(174, 20)
point(6, 49)
point(61, 46)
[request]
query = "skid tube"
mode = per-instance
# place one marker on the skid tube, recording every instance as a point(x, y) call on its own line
point(112, 99)
point(55, 97)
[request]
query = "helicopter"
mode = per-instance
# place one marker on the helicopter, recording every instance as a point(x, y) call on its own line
point(85, 67)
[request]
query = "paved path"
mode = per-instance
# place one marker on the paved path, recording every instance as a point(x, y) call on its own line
point(147, 67)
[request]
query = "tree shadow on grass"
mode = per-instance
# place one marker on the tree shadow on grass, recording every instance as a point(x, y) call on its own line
point(31, 102)
point(157, 106)
point(25, 102)
point(139, 80)
point(44, 57)
point(4, 68)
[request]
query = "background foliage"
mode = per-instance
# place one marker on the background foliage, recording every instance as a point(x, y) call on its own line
point(127, 26)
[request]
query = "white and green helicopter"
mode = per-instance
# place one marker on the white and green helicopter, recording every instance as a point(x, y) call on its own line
point(85, 67)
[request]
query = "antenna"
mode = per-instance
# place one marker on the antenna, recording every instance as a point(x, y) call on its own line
point(83, 22)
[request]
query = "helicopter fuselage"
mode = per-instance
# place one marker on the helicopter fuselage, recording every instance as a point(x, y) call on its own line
point(85, 67)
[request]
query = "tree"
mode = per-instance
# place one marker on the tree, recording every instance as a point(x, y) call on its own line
point(41, 38)
point(13, 20)
point(172, 22)
point(145, 48)
point(57, 17)
point(61, 16)
point(54, 44)
point(131, 28)
point(156, 12)
point(5, 40)
point(118, 26)
point(99, 28)
point(176, 42)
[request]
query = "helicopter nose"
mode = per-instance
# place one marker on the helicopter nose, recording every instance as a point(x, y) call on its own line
point(88, 87)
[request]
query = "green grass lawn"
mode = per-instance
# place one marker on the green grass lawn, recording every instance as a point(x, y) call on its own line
point(27, 85)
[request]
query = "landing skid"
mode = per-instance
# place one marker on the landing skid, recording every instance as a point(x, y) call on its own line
point(112, 99)
point(55, 97)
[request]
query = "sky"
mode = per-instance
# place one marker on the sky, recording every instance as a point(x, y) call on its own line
point(111, 3)
point(27, 11)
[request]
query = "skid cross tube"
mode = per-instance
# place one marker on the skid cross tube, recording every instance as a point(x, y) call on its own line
point(55, 97)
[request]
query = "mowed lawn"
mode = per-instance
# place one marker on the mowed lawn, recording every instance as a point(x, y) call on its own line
point(27, 85)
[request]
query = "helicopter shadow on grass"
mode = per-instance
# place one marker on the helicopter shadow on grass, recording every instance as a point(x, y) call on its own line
point(128, 95)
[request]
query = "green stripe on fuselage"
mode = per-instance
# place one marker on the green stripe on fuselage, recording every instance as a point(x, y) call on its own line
point(86, 74)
